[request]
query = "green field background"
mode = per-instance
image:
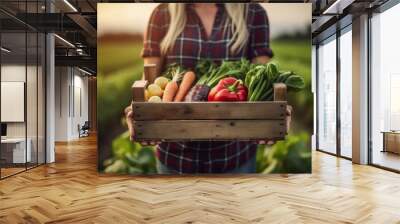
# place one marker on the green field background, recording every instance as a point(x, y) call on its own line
point(120, 64)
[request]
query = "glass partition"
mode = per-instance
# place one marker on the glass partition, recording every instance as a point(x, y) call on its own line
point(327, 96)
point(32, 97)
point(14, 151)
point(41, 109)
point(23, 91)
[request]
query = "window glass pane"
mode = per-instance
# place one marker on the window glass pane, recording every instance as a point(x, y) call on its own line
point(23, 88)
point(31, 97)
point(32, 87)
point(313, 89)
point(15, 150)
point(327, 96)
point(41, 98)
point(385, 114)
point(345, 94)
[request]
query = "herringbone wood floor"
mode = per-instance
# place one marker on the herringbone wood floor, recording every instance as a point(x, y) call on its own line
point(71, 191)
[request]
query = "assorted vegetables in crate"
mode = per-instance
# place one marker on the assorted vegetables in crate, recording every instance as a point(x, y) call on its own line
point(229, 81)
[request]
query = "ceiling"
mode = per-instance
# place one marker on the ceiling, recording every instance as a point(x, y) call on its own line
point(76, 22)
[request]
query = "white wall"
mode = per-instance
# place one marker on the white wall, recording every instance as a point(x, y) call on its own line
point(62, 80)
point(13, 100)
point(71, 94)
point(80, 96)
point(13, 73)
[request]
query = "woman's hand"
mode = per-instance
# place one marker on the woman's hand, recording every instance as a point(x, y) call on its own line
point(289, 110)
point(130, 122)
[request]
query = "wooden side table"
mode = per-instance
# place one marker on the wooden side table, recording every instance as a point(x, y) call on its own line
point(391, 141)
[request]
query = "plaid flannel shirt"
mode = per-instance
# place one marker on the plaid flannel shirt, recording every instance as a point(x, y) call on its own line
point(191, 46)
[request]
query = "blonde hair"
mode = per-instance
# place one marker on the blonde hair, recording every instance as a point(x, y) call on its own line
point(238, 27)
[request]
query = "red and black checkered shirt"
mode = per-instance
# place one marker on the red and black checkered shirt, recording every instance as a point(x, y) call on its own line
point(191, 46)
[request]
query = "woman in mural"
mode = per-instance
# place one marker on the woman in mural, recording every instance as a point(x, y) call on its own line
point(184, 34)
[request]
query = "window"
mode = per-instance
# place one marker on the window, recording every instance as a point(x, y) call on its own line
point(327, 95)
point(385, 88)
point(394, 102)
point(346, 92)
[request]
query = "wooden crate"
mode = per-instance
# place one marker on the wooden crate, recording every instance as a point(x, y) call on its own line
point(195, 121)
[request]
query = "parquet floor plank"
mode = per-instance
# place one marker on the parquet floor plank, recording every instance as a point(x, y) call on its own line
point(71, 191)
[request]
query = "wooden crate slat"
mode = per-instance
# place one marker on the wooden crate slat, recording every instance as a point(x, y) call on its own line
point(209, 110)
point(138, 89)
point(210, 129)
point(280, 92)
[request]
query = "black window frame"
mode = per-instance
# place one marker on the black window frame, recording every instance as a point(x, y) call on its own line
point(342, 26)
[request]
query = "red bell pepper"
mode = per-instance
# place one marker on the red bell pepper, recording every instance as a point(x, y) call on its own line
point(228, 89)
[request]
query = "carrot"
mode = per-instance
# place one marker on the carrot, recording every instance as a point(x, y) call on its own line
point(169, 92)
point(186, 84)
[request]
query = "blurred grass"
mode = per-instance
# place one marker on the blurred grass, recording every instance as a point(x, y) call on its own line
point(113, 57)
point(114, 91)
point(293, 155)
point(120, 65)
point(295, 55)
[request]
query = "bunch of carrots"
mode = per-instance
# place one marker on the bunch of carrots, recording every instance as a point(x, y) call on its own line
point(175, 92)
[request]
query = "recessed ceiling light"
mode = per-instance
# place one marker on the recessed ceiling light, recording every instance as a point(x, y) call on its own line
point(84, 71)
point(70, 5)
point(65, 41)
point(337, 7)
point(5, 50)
